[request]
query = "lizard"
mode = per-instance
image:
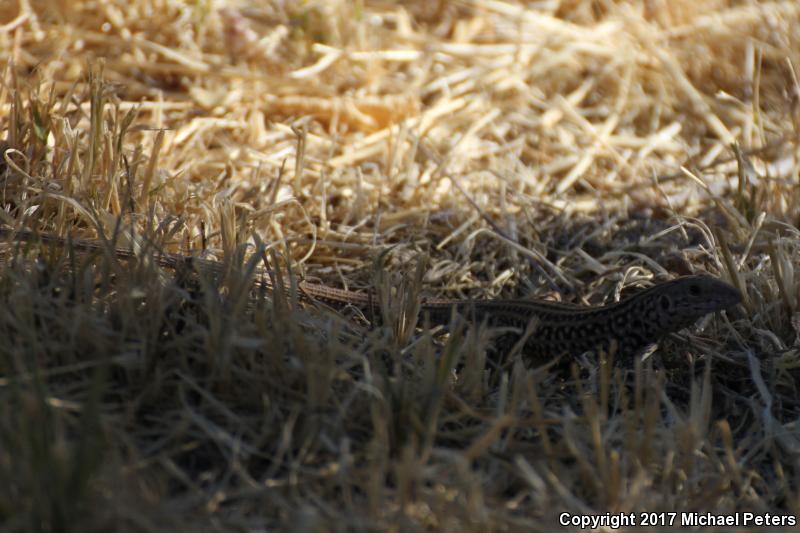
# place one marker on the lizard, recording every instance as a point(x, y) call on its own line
point(627, 326)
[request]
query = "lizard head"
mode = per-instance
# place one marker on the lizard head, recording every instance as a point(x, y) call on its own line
point(684, 300)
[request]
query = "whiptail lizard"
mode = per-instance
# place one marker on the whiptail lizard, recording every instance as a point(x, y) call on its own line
point(630, 325)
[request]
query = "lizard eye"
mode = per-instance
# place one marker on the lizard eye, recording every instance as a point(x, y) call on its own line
point(664, 302)
point(694, 290)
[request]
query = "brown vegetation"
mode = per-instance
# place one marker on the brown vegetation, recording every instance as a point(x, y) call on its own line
point(570, 150)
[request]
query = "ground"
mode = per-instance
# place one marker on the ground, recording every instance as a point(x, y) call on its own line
point(571, 150)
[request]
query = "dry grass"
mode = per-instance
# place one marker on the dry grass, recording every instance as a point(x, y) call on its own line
point(568, 150)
